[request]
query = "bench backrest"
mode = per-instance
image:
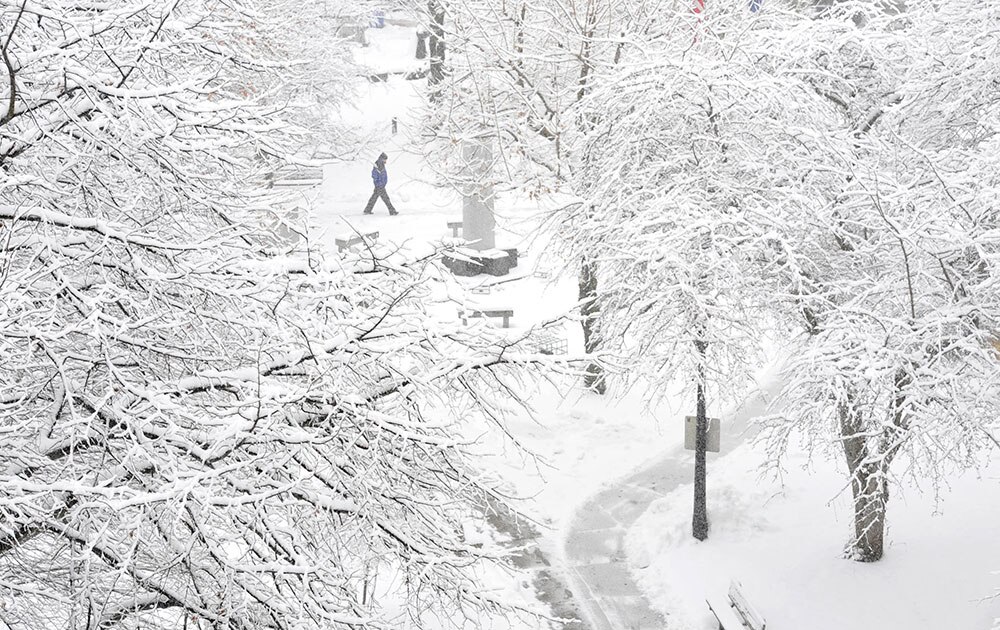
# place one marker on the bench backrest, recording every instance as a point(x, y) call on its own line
point(351, 241)
point(357, 238)
point(753, 619)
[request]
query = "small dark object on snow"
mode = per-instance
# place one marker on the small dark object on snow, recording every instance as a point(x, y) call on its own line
point(422, 44)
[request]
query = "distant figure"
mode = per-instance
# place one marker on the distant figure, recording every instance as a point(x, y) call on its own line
point(380, 177)
point(395, 126)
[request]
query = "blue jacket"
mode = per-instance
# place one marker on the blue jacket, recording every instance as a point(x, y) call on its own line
point(380, 177)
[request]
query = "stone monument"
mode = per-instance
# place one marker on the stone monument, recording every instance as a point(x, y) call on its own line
point(478, 223)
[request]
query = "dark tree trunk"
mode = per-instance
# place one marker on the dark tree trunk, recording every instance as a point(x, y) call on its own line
point(594, 378)
point(869, 487)
point(519, 42)
point(870, 496)
point(436, 44)
point(699, 518)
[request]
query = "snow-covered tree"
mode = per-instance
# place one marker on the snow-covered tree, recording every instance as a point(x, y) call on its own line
point(517, 69)
point(692, 156)
point(897, 266)
point(198, 428)
point(751, 172)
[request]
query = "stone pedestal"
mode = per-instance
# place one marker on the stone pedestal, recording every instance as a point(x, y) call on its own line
point(480, 255)
point(462, 262)
point(512, 254)
point(496, 262)
point(469, 262)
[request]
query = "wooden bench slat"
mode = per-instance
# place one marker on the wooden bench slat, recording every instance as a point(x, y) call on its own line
point(736, 613)
point(294, 176)
point(504, 314)
point(345, 243)
point(754, 620)
point(725, 615)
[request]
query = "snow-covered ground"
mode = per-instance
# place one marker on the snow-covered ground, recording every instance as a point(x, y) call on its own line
point(783, 539)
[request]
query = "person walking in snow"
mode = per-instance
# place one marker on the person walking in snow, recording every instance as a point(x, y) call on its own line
point(380, 177)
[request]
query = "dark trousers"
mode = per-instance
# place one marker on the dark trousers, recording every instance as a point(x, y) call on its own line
point(379, 192)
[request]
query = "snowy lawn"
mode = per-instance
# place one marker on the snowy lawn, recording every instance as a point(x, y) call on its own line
point(586, 442)
point(784, 542)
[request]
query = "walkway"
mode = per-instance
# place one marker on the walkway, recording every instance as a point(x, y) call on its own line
point(599, 573)
point(548, 582)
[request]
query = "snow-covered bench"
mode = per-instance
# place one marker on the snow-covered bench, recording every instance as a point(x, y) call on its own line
point(455, 227)
point(346, 242)
point(294, 176)
point(505, 314)
point(736, 613)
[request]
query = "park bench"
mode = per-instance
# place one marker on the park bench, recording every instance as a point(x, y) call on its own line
point(348, 242)
point(294, 176)
point(455, 227)
point(504, 314)
point(736, 613)
point(352, 30)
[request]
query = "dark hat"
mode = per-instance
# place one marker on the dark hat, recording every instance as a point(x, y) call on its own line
point(382, 157)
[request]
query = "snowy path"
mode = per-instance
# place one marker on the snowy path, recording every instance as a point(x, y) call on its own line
point(600, 575)
point(596, 583)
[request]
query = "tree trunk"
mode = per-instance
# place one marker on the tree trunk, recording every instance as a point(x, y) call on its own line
point(870, 495)
point(594, 378)
point(436, 10)
point(699, 519)
point(519, 42)
point(869, 488)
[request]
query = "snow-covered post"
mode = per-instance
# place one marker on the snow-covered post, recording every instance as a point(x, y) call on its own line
point(699, 518)
point(478, 224)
